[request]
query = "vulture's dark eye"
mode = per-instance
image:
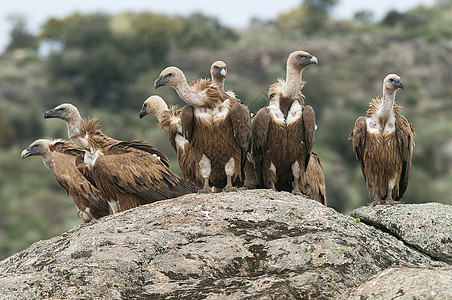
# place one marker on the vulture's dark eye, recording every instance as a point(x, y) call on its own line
point(169, 75)
point(391, 80)
point(145, 105)
point(301, 56)
point(63, 109)
point(215, 67)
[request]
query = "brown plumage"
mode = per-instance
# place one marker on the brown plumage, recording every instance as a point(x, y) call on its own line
point(170, 119)
point(384, 142)
point(59, 156)
point(217, 126)
point(131, 172)
point(284, 130)
point(312, 182)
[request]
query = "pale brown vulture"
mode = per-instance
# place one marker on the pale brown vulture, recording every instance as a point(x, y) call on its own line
point(284, 130)
point(59, 156)
point(170, 120)
point(216, 125)
point(129, 173)
point(383, 141)
point(218, 73)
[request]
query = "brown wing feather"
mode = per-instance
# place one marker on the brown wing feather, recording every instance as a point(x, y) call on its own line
point(405, 135)
point(241, 127)
point(358, 137)
point(77, 185)
point(187, 121)
point(140, 173)
point(259, 128)
point(308, 124)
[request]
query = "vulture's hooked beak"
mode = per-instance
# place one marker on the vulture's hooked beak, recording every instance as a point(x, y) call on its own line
point(400, 84)
point(313, 60)
point(25, 153)
point(142, 113)
point(159, 82)
point(223, 72)
point(51, 113)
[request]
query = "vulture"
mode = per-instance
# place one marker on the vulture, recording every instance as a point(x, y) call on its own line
point(59, 156)
point(218, 73)
point(216, 125)
point(170, 120)
point(129, 173)
point(283, 131)
point(383, 142)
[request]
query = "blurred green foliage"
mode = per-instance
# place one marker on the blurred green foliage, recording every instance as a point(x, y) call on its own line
point(106, 65)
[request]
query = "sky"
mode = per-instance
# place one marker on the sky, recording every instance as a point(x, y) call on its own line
point(233, 13)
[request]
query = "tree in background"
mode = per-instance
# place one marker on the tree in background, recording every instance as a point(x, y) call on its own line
point(20, 36)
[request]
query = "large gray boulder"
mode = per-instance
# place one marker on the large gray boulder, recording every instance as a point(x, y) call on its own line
point(244, 245)
point(426, 227)
point(407, 283)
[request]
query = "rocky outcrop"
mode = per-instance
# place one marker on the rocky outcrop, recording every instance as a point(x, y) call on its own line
point(244, 245)
point(407, 283)
point(426, 227)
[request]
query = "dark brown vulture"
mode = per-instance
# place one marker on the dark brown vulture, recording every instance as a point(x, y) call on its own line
point(284, 130)
point(169, 119)
point(129, 173)
point(59, 156)
point(216, 125)
point(384, 142)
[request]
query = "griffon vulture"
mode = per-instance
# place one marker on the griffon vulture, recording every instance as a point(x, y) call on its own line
point(170, 120)
point(216, 125)
point(384, 142)
point(218, 73)
point(284, 130)
point(59, 156)
point(128, 173)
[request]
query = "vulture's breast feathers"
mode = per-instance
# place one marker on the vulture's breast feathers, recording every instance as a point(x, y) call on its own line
point(377, 123)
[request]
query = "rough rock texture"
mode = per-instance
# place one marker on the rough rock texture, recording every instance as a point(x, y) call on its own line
point(427, 227)
point(254, 244)
point(407, 283)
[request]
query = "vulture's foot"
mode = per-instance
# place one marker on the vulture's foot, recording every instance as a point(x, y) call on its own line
point(205, 190)
point(229, 189)
point(297, 192)
point(375, 203)
point(390, 202)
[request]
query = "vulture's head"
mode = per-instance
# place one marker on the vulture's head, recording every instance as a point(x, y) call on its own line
point(37, 148)
point(152, 106)
point(66, 112)
point(301, 59)
point(219, 69)
point(392, 82)
point(171, 76)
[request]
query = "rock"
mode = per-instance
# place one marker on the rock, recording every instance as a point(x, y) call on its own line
point(250, 244)
point(427, 227)
point(407, 283)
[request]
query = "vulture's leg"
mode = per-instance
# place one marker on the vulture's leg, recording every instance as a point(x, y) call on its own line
point(389, 199)
point(204, 170)
point(114, 206)
point(229, 169)
point(272, 176)
point(296, 178)
point(377, 200)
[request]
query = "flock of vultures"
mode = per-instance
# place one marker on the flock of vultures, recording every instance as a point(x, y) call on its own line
point(222, 147)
